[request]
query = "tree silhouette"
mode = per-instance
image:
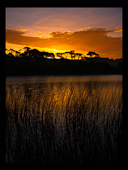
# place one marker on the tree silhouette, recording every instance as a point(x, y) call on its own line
point(17, 53)
point(42, 66)
point(78, 54)
point(97, 55)
point(10, 55)
point(33, 52)
point(72, 53)
point(26, 51)
point(51, 55)
point(12, 51)
point(91, 53)
point(41, 54)
point(66, 54)
point(59, 55)
point(38, 54)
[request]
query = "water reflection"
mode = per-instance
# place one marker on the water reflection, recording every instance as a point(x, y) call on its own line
point(71, 119)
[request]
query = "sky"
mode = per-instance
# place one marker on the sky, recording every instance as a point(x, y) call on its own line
point(64, 29)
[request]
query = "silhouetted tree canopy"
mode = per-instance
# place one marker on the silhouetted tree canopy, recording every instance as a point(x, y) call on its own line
point(23, 64)
point(72, 54)
point(91, 53)
point(34, 53)
point(27, 48)
point(78, 54)
point(59, 55)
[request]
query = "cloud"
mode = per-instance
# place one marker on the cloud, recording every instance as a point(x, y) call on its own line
point(17, 37)
point(94, 39)
point(119, 30)
point(87, 27)
point(21, 30)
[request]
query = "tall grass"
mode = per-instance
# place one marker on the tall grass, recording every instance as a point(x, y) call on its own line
point(63, 122)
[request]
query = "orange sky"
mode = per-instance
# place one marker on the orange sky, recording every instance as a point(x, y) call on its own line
point(60, 33)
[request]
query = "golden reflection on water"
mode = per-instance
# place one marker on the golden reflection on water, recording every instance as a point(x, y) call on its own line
point(56, 97)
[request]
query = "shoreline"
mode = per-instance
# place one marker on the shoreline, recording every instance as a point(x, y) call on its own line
point(59, 68)
point(60, 75)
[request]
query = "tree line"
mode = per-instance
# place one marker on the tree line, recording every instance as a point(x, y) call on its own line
point(21, 63)
point(34, 53)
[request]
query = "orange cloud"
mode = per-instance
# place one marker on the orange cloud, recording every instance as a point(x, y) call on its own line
point(95, 39)
point(120, 30)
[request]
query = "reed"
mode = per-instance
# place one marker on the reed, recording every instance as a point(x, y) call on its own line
point(63, 122)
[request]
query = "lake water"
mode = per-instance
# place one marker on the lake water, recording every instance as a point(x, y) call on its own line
point(63, 119)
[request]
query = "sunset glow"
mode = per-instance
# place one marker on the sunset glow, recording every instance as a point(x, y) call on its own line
point(63, 84)
point(63, 29)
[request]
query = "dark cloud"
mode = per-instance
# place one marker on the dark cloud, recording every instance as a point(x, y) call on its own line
point(95, 39)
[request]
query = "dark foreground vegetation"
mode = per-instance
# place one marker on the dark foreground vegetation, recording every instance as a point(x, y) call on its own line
point(65, 122)
point(33, 62)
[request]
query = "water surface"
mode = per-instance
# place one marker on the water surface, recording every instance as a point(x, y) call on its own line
point(63, 119)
